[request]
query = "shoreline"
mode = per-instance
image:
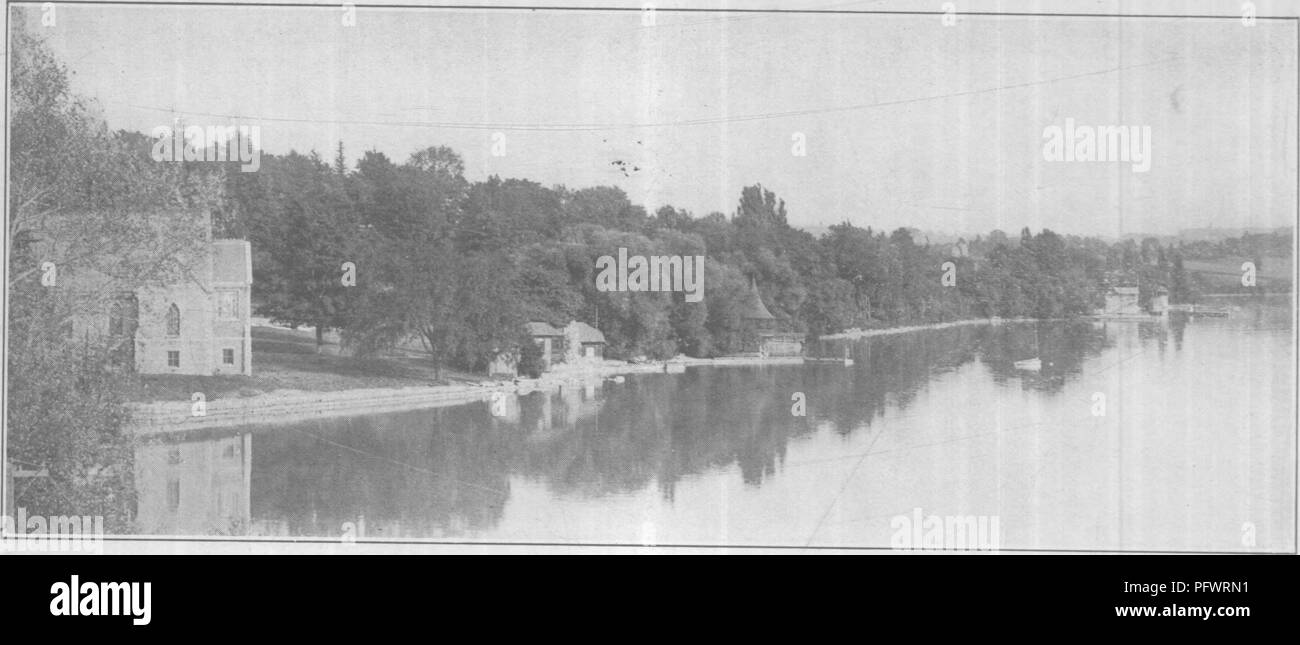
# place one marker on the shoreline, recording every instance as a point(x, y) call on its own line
point(855, 334)
point(294, 406)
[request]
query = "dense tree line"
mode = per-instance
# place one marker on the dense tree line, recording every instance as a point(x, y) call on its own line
point(460, 265)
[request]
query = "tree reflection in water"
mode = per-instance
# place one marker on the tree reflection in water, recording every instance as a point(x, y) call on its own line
point(448, 471)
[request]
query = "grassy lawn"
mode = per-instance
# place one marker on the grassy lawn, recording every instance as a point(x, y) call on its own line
point(287, 360)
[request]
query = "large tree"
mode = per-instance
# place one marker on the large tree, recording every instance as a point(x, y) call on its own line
point(306, 244)
point(436, 277)
point(91, 216)
point(461, 308)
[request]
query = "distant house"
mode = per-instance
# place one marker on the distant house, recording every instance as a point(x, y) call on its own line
point(550, 338)
point(1160, 302)
point(1121, 301)
point(572, 343)
point(584, 341)
point(754, 315)
point(767, 339)
point(1125, 301)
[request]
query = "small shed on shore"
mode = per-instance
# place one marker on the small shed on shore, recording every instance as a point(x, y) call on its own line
point(1160, 301)
point(584, 341)
point(767, 339)
point(549, 337)
point(1121, 301)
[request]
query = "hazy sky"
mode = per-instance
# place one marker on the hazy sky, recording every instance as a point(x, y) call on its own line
point(907, 122)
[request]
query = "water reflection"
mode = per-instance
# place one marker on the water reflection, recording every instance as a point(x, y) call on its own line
point(195, 486)
point(454, 472)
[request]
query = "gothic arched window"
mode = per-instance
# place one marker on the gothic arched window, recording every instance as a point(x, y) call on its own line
point(173, 320)
point(116, 322)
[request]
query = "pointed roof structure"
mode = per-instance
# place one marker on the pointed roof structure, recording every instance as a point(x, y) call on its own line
point(586, 333)
point(753, 307)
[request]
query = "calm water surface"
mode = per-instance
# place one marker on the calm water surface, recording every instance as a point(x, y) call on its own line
point(1194, 448)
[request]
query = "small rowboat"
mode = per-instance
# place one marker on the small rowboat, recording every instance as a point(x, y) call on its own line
point(1032, 364)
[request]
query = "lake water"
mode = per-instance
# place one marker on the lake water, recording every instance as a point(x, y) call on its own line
point(1170, 436)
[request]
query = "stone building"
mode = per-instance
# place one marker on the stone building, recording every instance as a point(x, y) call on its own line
point(582, 342)
point(198, 325)
point(574, 343)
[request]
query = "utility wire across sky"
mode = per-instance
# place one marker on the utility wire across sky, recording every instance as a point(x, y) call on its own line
point(595, 127)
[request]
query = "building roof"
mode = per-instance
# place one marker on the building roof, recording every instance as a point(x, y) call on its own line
point(753, 307)
point(542, 329)
point(587, 333)
point(232, 261)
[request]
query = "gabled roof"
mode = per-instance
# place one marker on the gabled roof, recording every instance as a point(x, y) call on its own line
point(587, 333)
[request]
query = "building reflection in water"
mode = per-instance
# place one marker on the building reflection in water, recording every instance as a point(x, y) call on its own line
point(194, 486)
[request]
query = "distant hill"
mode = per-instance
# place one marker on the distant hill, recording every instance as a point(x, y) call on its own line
point(1206, 234)
point(1214, 233)
point(918, 235)
point(1274, 268)
point(1223, 275)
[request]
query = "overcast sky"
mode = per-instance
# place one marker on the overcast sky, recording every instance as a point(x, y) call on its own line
point(907, 122)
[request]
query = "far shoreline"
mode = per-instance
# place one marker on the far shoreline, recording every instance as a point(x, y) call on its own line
point(854, 334)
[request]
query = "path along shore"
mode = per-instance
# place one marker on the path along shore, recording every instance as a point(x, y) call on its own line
point(292, 406)
point(854, 334)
